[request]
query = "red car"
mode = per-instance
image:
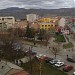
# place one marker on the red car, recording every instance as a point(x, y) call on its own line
point(68, 68)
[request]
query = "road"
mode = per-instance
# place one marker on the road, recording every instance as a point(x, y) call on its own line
point(46, 51)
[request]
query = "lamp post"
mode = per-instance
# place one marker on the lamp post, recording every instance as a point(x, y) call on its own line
point(41, 60)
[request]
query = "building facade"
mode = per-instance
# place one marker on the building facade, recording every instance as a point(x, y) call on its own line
point(31, 17)
point(9, 21)
point(62, 22)
point(47, 23)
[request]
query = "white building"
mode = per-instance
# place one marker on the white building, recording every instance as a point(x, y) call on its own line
point(31, 17)
point(62, 22)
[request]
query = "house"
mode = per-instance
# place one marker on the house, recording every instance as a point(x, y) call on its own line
point(7, 68)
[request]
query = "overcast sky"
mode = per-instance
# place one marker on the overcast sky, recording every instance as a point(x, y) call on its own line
point(42, 4)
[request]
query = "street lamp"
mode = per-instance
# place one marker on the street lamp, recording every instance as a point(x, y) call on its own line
point(41, 58)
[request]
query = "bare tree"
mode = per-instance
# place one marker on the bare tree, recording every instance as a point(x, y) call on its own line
point(55, 50)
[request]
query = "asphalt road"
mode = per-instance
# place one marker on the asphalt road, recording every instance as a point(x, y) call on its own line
point(46, 51)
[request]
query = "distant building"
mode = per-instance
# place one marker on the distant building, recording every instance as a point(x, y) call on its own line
point(8, 20)
point(31, 17)
point(35, 25)
point(61, 22)
point(47, 23)
point(3, 27)
point(22, 24)
point(46, 26)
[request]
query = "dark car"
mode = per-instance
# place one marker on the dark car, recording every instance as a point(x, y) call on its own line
point(68, 68)
point(71, 60)
point(30, 53)
point(48, 59)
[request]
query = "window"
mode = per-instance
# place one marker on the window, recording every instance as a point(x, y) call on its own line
point(45, 25)
point(3, 19)
point(51, 25)
point(42, 25)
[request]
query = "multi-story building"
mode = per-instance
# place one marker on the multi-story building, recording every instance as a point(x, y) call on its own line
point(46, 26)
point(31, 17)
point(47, 23)
point(62, 22)
point(9, 21)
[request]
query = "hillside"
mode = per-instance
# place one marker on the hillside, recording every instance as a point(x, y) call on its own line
point(20, 13)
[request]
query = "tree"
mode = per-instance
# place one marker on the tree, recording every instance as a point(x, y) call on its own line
point(30, 32)
point(41, 34)
point(46, 38)
point(55, 50)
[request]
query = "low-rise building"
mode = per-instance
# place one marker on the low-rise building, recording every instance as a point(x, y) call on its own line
point(7, 68)
point(46, 26)
point(47, 23)
point(8, 20)
point(20, 24)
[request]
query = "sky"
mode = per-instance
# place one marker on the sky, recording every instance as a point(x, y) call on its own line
point(37, 4)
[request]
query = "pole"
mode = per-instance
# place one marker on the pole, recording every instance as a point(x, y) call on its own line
point(30, 60)
point(40, 68)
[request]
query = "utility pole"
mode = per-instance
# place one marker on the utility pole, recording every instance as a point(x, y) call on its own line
point(30, 50)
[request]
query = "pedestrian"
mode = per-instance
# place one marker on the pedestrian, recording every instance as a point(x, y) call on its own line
point(67, 55)
point(49, 47)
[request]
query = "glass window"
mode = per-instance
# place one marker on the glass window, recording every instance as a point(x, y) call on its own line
point(45, 25)
point(49, 25)
point(52, 25)
point(42, 25)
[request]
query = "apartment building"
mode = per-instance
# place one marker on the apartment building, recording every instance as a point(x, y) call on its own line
point(32, 17)
point(46, 26)
point(9, 21)
point(48, 23)
point(62, 22)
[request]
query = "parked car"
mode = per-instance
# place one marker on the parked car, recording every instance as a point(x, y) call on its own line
point(42, 56)
point(30, 53)
point(74, 73)
point(68, 68)
point(48, 59)
point(54, 61)
point(59, 64)
point(71, 60)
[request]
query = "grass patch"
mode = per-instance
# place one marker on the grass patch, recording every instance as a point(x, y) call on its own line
point(46, 69)
point(60, 38)
point(68, 45)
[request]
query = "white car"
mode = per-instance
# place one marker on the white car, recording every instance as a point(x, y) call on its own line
point(54, 61)
point(73, 73)
point(59, 64)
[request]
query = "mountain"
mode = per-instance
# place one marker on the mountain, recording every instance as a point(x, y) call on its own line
point(20, 13)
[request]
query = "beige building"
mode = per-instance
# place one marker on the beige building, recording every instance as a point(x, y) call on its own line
point(62, 22)
point(8, 20)
point(31, 17)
